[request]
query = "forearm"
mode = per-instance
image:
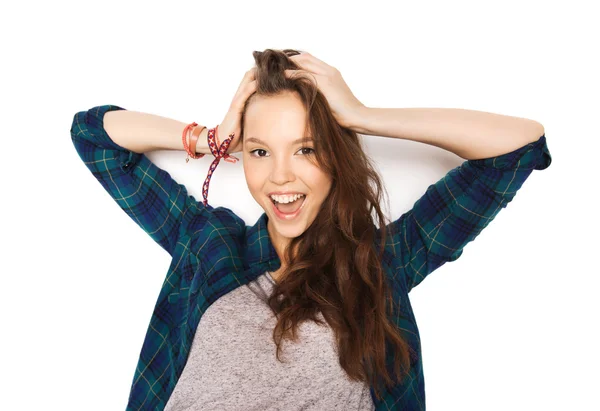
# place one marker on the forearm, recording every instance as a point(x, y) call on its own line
point(142, 132)
point(469, 134)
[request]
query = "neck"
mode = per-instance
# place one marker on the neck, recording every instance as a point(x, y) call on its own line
point(279, 243)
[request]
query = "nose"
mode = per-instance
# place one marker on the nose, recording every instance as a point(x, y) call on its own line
point(282, 172)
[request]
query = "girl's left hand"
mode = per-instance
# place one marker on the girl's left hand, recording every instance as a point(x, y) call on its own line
point(344, 105)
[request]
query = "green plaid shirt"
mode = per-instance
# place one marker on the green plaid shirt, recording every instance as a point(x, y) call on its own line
point(213, 251)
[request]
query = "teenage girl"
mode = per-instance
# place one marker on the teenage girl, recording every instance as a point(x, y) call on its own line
point(308, 308)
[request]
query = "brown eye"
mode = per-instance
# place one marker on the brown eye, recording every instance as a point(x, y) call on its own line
point(307, 148)
point(258, 149)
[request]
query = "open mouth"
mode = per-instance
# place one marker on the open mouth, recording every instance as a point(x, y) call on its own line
point(290, 207)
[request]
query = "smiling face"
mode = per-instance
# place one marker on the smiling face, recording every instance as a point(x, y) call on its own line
point(280, 163)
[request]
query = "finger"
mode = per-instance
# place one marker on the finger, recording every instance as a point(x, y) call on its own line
point(251, 87)
point(313, 67)
point(310, 62)
point(248, 77)
point(243, 93)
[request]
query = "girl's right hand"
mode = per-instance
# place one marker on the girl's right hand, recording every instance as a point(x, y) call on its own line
point(232, 121)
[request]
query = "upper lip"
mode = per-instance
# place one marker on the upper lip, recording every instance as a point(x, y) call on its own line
point(284, 193)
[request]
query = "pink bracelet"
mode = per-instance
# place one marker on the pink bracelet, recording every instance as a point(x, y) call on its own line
point(220, 152)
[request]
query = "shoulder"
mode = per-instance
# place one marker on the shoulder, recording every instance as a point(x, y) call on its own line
point(208, 223)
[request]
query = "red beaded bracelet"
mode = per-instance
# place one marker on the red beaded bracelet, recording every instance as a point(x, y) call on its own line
point(188, 149)
point(194, 140)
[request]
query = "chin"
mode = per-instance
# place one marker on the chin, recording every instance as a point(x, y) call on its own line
point(288, 229)
point(290, 232)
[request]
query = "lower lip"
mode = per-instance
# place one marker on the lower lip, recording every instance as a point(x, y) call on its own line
point(288, 216)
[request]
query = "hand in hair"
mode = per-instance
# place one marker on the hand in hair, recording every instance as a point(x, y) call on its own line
point(344, 105)
point(232, 121)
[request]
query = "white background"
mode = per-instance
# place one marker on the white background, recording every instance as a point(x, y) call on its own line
point(512, 324)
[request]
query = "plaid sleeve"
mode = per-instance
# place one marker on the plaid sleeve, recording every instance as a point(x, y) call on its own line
point(147, 193)
point(453, 211)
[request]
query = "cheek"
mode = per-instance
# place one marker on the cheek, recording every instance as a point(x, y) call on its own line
point(254, 179)
point(318, 181)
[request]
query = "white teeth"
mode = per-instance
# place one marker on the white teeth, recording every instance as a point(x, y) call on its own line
point(286, 199)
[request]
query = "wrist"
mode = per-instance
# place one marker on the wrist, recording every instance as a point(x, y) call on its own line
point(202, 145)
point(359, 121)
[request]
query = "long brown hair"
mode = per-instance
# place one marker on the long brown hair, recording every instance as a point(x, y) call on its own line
point(335, 268)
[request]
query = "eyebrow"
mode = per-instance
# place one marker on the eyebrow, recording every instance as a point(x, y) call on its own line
point(297, 141)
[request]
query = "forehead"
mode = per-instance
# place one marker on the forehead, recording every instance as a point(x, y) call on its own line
point(276, 118)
